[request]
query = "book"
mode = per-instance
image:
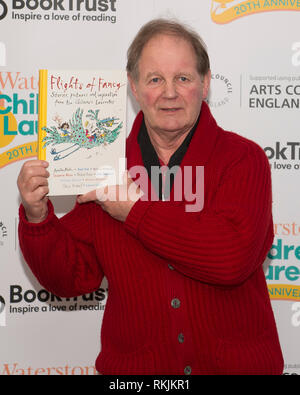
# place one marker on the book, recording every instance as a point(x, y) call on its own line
point(82, 128)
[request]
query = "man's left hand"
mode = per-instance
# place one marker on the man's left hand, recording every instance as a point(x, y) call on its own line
point(116, 200)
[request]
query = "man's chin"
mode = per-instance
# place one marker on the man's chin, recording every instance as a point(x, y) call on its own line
point(167, 123)
point(172, 126)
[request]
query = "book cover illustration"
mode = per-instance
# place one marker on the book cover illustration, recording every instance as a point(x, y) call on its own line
point(82, 118)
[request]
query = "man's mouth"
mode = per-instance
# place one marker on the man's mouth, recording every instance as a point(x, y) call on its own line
point(170, 109)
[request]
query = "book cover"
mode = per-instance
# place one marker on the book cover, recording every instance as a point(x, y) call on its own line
point(82, 128)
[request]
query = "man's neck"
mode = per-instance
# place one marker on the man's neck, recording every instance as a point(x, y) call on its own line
point(165, 144)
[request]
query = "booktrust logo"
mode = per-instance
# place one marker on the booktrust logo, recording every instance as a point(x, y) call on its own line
point(3, 9)
point(2, 312)
point(65, 10)
point(226, 11)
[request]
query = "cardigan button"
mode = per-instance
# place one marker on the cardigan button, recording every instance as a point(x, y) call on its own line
point(175, 303)
point(187, 370)
point(181, 338)
point(170, 267)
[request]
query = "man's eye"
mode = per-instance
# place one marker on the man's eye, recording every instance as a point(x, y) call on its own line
point(155, 80)
point(183, 79)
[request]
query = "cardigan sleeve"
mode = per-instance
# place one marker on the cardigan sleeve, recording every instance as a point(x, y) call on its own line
point(228, 240)
point(60, 252)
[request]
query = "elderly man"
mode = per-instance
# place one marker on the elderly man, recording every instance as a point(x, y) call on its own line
point(187, 293)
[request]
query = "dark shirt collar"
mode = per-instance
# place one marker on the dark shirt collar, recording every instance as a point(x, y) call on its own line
point(150, 159)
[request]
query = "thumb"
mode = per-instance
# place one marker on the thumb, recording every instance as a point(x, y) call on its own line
point(88, 197)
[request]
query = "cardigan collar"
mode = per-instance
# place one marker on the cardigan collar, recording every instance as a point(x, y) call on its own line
point(199, 150)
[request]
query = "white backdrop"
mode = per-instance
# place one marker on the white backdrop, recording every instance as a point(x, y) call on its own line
point(254, 48)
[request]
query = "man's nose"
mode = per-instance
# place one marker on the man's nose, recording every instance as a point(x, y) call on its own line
point(170, 91)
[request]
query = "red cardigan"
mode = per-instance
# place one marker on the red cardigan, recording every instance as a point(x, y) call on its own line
point(187, 292)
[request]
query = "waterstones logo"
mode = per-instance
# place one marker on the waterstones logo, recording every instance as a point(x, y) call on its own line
point(226, 11)
point(15, 369)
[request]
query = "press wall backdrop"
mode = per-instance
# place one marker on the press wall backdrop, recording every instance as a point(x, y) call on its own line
point(254, 48)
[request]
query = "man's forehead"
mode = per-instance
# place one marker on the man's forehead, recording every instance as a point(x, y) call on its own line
point(161, 48)
point(157, 40)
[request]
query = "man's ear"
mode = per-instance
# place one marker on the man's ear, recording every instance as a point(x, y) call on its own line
point(132, 84)
point(206, 84)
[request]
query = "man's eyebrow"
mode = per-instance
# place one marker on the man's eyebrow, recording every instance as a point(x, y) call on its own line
point(157, 73)
point(186, 74)
point(152, 73)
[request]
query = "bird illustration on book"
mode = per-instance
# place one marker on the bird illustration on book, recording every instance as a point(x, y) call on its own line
point(79, 135)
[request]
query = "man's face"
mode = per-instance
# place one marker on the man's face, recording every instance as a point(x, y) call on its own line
point(169, 89)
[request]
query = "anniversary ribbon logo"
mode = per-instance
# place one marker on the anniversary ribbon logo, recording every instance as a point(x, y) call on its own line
point(226, 11)
point(284, 292)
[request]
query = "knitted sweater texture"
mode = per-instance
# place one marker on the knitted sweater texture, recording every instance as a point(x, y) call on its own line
point(187, 291)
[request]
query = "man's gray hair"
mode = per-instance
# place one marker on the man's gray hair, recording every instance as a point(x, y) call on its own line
point(167, 27)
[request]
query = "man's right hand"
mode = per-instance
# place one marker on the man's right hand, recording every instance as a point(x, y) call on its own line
point(33, 187)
